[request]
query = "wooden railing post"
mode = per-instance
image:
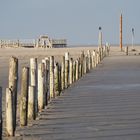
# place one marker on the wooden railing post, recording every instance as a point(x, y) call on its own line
point(71, 71)
point(77, 69)
point(1, 120)
point(47, 80)
point(89, 60)
point(33, 80)
point(10, 123)
point(13, 84)
point(82, 62)
point(94, 59)
point(24, 96)
point(44, 61)
point(80, 68)
point(63, 73)
point(52, 93)
point(41, 83)
point(33, 71)
point(56, 79)
point(74, 71)
point(104, 51)
point(66, 70)
point(98, 57)
point(31, 103)
point(60, 81)
point(85, 64)
point(126, 50)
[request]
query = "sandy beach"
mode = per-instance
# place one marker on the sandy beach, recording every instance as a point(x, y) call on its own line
point(24, 55)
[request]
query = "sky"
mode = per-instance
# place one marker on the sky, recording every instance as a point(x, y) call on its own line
point(76, 20)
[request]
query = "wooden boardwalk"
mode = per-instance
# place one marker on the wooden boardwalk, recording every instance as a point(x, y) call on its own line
point(102, 105)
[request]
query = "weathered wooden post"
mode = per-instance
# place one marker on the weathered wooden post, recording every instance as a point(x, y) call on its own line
point(94, 59)
point(47, 80)
point(63, 73)
point(60, 82)
point(1, 43)
point(108, 50)
point(18, 43)
point(74, 71)
point(98, 57)
point(52, 93)
point(77, 69)
point(104, 51)
point(41, 78)
point(82, 62)
point(1, 120)
point(66, 70)
point(56, 79)
point(85, 65)
point(101, 54)
point(10, 123)
point(33, 71)
point(24, 96)
point(126, 50)
point(44, 61)
point(33, 80)
point(13, 84)
point(89, 59)
point(71, 71)
point(31, 103)
point(80, 68)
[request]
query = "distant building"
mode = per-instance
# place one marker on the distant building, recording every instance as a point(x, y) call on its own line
point(45, 42)
point(59, 43)
point(42, 42)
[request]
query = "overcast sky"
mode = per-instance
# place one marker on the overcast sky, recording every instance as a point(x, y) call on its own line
point(76, 20)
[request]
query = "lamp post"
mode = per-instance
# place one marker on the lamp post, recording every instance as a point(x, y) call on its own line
point(121, 44)
point(100, 37)
point(133, 38)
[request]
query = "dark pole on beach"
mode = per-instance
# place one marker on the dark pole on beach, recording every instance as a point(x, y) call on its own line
point(121, 32)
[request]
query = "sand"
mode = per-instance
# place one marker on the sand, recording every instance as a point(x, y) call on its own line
point(24, 55)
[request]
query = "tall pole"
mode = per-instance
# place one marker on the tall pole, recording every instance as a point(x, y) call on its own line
point(133, 38)
point(100, 38)
point(121, 32)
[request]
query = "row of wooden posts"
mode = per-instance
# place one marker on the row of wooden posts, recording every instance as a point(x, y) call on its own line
point(47, 80)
